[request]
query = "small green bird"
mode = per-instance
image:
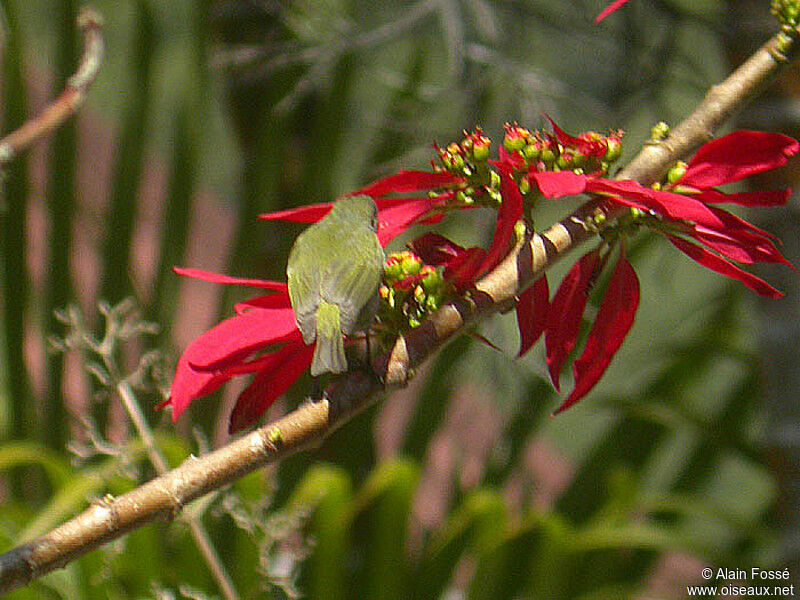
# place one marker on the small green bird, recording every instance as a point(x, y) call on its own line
point(334, 272)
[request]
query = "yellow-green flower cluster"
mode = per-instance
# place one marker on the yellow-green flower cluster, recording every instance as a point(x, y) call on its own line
point(410, 291)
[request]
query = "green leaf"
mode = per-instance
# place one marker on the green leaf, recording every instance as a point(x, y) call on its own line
point(475, 524)
point(327, 492)
point(115, 280)
point(384, 503)
point(524, 560)
point(55, 465)
point(13, 227)
point(61, 205)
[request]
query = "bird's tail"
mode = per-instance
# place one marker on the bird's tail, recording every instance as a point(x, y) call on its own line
point(329, 353)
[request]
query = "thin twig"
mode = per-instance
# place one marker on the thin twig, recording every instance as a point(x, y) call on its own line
point(198, 532)
point(307, 426)
point(68, 102)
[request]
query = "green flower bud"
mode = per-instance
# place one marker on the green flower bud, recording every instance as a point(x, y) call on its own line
point(392, 268)
point(547, 156)
point(480, 151)
point(637, 213)
point(676, 172)
point(659, 132)
point(564, 161)
point(532, 151)
point(520, 229)
point(432, 280)
point(578, 160)
point(411, 264)
point(431, 303)
point(513, 143)
point(515, 138)
point(599, 219)
point(614, 150)
point(787, 12)
point(387, 296)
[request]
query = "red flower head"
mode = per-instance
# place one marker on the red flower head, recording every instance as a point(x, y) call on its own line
point(679, 211)
point(262, 338)
point(688, 214)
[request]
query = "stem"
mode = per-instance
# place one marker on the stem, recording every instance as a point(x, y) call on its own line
point(68, 102)
point(198, 532)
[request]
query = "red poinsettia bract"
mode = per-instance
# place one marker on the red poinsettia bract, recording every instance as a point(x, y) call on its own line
point(395, 215)
point(613, 322)
point(709, 235)
point(685, 208)
point(261, 339)
point(617, 4)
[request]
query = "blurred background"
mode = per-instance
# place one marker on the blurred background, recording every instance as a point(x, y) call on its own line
point(206, 114)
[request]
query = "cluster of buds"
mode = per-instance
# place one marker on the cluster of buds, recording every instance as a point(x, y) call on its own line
point(410, 291)
point(469, 159)
point(787, 12)
point(590, 152)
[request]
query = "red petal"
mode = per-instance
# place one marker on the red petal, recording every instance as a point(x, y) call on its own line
point(614, 320)
point(189, 385)
point(743, 251)
point(563, 137)
point(508, 214)
point(395, 219)
point(237, 337)
point(733, 223)
point(271, 302)
point(739, 240)
point(763, 198)
point(310, 213)
point(409, 181)
point(463, 269)
point(435, 249)
point(532, 310)
point(609, 9)
point(566, 310)
point(276, 377)
point(554, 184)
point(216, 278)
point(720, 265)
point(674, 206)
point(510, 160)
point(738, 155)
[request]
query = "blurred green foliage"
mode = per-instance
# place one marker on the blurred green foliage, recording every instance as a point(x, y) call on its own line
point(271, 105)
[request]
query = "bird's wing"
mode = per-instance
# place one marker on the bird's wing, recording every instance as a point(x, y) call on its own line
point(351, 281)
point(303, 290)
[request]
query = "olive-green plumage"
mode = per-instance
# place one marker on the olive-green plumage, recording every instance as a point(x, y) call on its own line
point(334, 272)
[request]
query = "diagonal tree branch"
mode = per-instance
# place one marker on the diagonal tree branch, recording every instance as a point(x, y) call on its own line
point(70, 100)
point(307, 427)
